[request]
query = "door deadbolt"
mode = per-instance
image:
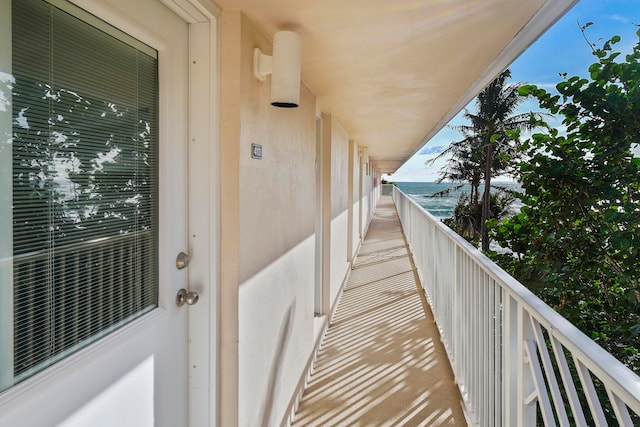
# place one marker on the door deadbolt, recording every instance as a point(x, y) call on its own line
point(182, 261)
point(186, 297)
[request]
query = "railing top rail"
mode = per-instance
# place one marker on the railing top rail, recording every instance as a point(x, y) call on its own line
point(620, 379)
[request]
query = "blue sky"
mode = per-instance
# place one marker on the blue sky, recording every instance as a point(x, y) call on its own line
point(562, 49)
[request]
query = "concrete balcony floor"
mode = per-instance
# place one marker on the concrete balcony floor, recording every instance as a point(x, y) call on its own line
point(381, 362)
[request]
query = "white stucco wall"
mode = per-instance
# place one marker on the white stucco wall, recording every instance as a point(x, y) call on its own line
point(339, 207)
point(271, 212)
point(268, 230)
point(339, 264)
point(275, 335)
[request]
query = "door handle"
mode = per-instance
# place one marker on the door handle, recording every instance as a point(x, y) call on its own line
point(186, 297)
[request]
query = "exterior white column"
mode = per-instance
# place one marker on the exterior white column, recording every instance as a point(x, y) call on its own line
point(319, 254)
point(6, 201)
point(327, 162)
point(350, 201)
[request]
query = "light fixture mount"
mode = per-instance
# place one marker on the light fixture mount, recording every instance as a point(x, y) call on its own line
point(261, 65)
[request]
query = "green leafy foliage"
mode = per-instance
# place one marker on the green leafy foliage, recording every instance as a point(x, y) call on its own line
point(467, 215)
point(576, 241)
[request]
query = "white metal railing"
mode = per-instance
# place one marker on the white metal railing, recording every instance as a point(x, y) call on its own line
point(517, 362)
point(65, 296)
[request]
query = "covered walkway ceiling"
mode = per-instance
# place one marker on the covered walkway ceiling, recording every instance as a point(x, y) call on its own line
point(394, 72)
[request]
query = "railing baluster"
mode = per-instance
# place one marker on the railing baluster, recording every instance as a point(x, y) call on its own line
point(110, 268)
point(31, 323)
point(456, 324)
point(488, 332)
point(510, 360)
point(467, 334)
point(60, 299)
point(567, 380)
point(120, 281)
point(485, 371)
point(100, 290)
point(590, 393)
point(527, 410)
point(550, 374)
point(531, 351)
point(471, 327)
point(620, 409)
point(497, 359)
point(76, 297)
point(492, 326)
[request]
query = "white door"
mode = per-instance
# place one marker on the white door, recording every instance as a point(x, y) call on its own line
point(133, 372)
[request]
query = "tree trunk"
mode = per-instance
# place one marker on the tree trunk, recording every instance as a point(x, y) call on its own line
point(486, 200)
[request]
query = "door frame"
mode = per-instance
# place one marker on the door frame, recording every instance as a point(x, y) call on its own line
point(204, 207)
point(204, 213)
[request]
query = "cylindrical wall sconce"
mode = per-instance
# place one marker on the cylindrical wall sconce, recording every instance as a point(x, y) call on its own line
point(284, 67)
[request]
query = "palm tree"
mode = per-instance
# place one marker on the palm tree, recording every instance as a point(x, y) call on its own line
point(464, 166)
point(495, 123)
point(489, 142)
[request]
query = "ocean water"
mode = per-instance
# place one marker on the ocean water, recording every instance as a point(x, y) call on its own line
point(442, 206)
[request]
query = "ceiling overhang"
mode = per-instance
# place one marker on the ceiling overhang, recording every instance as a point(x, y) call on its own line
point(394, 72)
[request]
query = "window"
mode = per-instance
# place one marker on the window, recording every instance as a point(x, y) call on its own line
point(82, 234)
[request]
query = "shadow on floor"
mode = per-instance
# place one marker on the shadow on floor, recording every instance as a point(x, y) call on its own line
point(381, 362)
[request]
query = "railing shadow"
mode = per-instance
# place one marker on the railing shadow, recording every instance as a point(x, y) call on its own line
point(381, 362)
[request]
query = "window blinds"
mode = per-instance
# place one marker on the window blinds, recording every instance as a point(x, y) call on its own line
point(85, 179)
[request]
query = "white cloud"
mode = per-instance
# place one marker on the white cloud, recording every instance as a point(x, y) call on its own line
point(619, 18)
point(432, 150)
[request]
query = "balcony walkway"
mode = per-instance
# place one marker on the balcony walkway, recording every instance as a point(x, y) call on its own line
point(381, 362)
